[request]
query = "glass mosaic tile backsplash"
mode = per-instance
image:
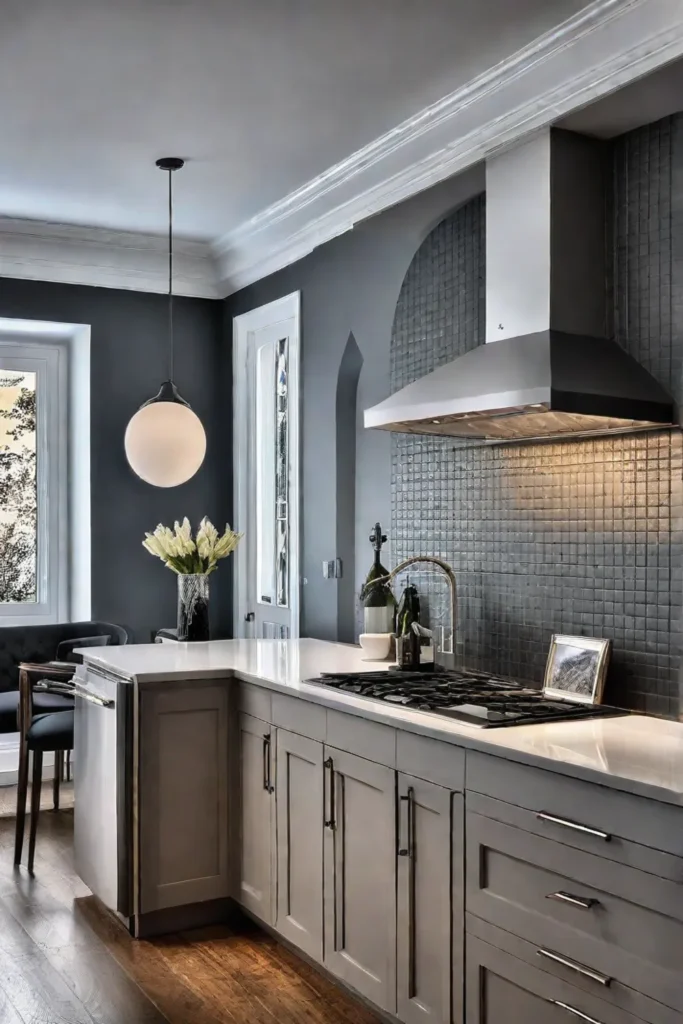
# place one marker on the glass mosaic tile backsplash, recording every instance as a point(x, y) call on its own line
point(582, 537)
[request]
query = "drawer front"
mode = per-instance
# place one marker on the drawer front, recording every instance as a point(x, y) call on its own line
point(503, 989)
point(371, 740)
point(299, 716)
point(623, 926)
point(255, 701)
point(581, 814)
point(441, 763)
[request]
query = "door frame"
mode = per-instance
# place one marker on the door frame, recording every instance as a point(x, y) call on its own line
point(243, 329)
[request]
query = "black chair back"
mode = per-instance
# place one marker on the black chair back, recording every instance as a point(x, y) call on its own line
point(40, 643)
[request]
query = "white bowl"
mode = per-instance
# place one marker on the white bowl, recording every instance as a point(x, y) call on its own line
point(375, 645)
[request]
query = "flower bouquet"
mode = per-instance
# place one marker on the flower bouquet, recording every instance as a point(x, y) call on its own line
point(193, 559)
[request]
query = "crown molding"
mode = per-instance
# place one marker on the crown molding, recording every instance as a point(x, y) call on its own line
point(103, 258)
point(602, 48)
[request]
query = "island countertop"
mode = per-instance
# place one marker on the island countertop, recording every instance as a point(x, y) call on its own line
point(634, 753)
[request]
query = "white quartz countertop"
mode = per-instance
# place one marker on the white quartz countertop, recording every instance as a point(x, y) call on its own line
point(635, 753)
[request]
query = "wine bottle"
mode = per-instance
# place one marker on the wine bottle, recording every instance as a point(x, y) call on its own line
point(378, 600)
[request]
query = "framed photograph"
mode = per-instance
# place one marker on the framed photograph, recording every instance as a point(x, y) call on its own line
point(576, 669)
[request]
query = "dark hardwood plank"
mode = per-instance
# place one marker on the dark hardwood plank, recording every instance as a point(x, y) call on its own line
point(29, 983)
point(64, 959)
point(147, 967)
point(53, 967)
point(72, 948)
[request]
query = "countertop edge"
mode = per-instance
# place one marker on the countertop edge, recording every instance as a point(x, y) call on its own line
point(395, 718)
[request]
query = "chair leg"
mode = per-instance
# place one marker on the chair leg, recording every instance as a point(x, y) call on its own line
point(36, 784)
point(22, 791)
point(58, 772)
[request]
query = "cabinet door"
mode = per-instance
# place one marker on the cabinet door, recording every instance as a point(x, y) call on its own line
point(429, 901)
point(299, 804)
point(257, 818)
point(360, 875)
point(183, 795)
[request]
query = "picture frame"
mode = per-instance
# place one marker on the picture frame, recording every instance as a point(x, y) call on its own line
point(577, 668)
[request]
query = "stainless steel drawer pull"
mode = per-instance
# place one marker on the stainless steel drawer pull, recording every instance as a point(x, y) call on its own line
point(575, 825)
point(575, 901)
point(92, 698)
point(575, 1012)
point(587, 972)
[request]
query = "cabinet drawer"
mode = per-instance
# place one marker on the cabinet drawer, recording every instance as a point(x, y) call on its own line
point(586, 815)
point(299, 716)
point(502, 988)
point(441, 763)
point(255, 701)
point(623, 924)
point(357, 735)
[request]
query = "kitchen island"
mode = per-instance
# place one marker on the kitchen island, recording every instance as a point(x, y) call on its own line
point(215, 773)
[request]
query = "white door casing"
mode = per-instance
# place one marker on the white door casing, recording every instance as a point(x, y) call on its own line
point(266, 388)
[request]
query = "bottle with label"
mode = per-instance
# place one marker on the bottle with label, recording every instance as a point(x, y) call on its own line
point(379, 603)
point(414, 643)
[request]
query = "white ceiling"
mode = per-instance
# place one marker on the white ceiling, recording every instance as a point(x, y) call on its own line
point(259, 95)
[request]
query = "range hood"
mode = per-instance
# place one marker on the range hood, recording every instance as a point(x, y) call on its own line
point(548, 367)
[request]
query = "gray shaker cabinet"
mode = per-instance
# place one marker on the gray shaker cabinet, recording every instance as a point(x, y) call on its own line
point(256, 793)
point(360, 875)
point(430, 912)
point(183, 795)
point(299, 804)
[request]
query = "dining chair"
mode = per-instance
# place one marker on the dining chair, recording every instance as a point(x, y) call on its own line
point(47, 733)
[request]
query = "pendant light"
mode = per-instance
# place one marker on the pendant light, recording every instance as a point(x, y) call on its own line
point(165, 441)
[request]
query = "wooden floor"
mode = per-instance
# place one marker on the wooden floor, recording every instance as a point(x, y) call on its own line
point(65, 960)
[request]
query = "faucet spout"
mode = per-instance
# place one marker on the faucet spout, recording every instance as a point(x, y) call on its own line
point(450, 576)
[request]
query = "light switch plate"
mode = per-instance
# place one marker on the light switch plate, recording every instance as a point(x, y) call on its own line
point(332, 569)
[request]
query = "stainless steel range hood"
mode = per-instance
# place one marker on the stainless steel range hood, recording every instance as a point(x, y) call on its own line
point(548, 367)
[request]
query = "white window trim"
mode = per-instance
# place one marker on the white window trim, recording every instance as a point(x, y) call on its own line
point(64, 534)
point(244, 328)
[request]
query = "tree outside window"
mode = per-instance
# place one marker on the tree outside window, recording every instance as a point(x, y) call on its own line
point(18, 491)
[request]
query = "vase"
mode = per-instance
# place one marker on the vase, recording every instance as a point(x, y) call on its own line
point(193, 606)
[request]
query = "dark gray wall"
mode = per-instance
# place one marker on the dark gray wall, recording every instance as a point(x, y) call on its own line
point(129, 332)
point(349, 285)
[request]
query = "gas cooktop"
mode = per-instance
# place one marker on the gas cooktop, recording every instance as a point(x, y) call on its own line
point(471, 697)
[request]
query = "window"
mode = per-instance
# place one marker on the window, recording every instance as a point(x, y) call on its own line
point(33, 483)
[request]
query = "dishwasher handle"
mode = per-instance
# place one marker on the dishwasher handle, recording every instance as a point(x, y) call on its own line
point(93, 698)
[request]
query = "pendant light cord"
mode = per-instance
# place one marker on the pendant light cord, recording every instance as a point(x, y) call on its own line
point(170, 275)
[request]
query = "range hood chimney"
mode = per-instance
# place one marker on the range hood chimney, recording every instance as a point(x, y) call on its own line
point(548, 367)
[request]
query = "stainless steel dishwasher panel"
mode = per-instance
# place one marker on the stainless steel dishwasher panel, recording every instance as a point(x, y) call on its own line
point(103, 835)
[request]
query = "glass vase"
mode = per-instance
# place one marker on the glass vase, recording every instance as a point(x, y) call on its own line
point(193, 606)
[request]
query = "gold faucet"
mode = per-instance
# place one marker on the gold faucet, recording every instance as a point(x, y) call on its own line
point(450, 576)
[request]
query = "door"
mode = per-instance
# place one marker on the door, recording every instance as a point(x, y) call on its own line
point(257, 818)
point(266, 457)
point(299, 805)
point(360, 875)
point(427, 818)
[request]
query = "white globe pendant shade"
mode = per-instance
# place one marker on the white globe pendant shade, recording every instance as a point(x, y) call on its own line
point(165, 443)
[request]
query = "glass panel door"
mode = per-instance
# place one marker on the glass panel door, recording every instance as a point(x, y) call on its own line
point(269, 537)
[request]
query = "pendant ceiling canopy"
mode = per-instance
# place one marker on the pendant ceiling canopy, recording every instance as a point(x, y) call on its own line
point(165, 441)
